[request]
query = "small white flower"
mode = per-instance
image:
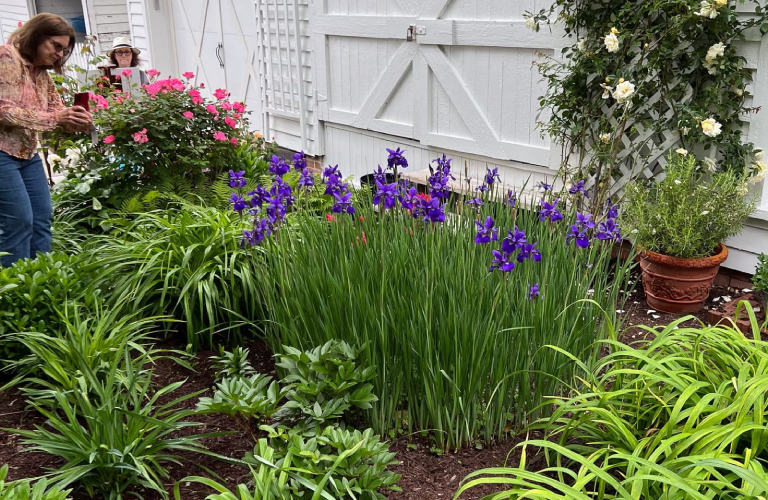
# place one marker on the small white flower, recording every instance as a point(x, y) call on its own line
point(705, 212)
point(606, 91)
point(710, 164)
point(739, 92)
point(758, 156)
point(531, 23)
point(581, 45)
point(624, 92)
point(612, 43)
point(715, 51)
point(711, 127)
point(685, 130)
point(635, 231)
point(708, 10)
point(681, 151)
point(678, 182)
point(605, 138)
point(53, 158)
point(760, 171)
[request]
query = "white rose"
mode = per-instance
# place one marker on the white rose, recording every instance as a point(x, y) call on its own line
point(708, 10)
point(605, 138)
point(681, 151)
point(581, 45)
point(721, 3)
point(715, 51)
point(710, 164)
point(711, 128)
point(531, 23)
point(758, 156)
point(606, 91)
point(53, 158)
point(739, 92)
point(760, 169)
point(685, 130)
point(624, 92)
point(612, 43)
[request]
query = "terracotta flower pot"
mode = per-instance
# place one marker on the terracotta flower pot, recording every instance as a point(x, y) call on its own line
point(677, 285)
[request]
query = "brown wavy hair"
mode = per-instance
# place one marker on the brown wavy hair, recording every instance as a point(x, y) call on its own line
point(36, 32)
point(135, 61)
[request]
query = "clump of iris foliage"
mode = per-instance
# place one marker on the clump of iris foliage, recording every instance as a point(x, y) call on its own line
point(453, 301)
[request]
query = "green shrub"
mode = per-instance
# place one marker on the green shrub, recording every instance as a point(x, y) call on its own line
point(35, 292)
point(23, 490)
point(760, 279)
point(682, 417)
point(455, 349)
point(113, 433)
point(256, 397)
point(324, 383)
point(688, 213)
point(347, 464)
point(184, 262)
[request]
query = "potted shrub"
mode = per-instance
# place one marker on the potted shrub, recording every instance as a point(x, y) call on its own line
point(760, 280)
point(680, 224)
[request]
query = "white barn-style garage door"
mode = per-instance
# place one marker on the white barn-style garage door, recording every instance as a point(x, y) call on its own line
point(449, 74)
point(217, 41)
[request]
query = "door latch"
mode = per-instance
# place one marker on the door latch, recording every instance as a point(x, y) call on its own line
point(411, 33)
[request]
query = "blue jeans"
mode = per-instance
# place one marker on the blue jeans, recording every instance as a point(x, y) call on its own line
point(25, 209)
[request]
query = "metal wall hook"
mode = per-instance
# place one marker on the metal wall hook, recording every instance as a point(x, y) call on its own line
point(219, 48)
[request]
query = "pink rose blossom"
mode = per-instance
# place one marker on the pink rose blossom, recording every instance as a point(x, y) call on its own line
point(219, 136)
point(212, 109)
point(126, 73)
point(141, 136)
point(19, 24)
point(238, 107)
point(188, 75)
point(153, 73)
point(230, 121)
point(233, 141)
point(109, 139)
point(220, 94)
point(226, 105)
point(188, 115)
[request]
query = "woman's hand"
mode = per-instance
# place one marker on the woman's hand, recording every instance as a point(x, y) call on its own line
point(75, 118)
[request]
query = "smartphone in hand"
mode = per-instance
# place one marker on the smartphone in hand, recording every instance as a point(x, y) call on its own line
point(82, 99)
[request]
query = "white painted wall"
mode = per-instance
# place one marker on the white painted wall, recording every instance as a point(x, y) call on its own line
point(11, 12)
point(108, 20)
point(148, 20)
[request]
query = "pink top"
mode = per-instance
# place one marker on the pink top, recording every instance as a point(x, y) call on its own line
point(28, 103)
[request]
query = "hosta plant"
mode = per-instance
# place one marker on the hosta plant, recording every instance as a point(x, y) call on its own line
point(324, 383)
point(348, 464)
point(682, 417)
point(24, 490)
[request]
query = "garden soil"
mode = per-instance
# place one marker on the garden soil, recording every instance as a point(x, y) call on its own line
point(426, 475)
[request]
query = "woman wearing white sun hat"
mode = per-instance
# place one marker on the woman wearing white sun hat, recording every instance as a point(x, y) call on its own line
point(124, 55)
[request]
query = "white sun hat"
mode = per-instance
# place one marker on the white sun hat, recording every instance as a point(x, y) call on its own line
point(122, 42)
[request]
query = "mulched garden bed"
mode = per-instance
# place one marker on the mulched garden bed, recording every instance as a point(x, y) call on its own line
point(426, 475)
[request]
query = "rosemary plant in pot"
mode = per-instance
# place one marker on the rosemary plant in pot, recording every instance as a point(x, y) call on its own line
point(680, 224)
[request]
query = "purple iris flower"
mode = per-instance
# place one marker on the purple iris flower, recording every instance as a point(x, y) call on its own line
point(331, 172)
point(584, 220)
point(440, 178)
point(282, 190)
point(334, 185)
point(486, 232)
point(533, 291)
point(491, 176)
point(545, 187)
point(343, 203)
point(483, 188)
point(380, 175)
point(476, 202)
point(429, 210)
point(501, 262)
point(577, 187)
point(387, 192)
point(529, 251)
point(408, 198)
point(582, 240)
point(300, 161)
point(550, 211)
point(278, 166)
point(237, 179)
point(514, 240)
point(396, 159)
point(238, 203)
point(306, 179)
point(609, 231)
point(611, 210)
point(444, 164)
point(511, 198)
point(261, 229)
point(258, 196)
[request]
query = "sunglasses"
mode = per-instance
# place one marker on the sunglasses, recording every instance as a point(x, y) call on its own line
point(124, 52)
point(65, 51)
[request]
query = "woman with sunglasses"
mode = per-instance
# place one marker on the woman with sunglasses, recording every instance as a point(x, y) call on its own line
point(30, 104)
point(124, 55)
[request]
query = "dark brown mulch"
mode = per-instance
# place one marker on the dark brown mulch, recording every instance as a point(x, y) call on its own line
point(425, 474)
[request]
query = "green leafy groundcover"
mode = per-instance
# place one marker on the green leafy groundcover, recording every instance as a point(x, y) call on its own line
point(683, 417)
point(456, 349)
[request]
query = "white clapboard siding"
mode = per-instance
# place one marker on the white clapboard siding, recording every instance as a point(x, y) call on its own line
point(286, 67)
point(137, 21)
point(466, 81)
point(11, 12)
